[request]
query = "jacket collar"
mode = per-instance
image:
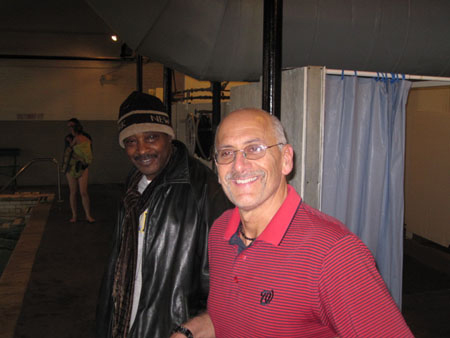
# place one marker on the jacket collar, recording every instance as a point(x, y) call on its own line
point(177, 169)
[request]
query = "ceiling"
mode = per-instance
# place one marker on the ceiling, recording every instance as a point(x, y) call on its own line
point(54, 28)
point(221, 40)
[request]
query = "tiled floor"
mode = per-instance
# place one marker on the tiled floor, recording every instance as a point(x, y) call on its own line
point(60, 300)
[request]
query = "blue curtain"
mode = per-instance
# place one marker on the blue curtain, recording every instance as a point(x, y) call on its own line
point(363, 165)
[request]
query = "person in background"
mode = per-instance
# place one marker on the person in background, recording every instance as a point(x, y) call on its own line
point(278, 267)
point(77, 158)
point(158, 273)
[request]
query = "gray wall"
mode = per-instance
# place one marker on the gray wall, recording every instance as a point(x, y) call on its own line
point(45, 139)
point(42, 139)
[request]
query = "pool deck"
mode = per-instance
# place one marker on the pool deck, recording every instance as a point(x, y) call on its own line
point(54, 293)
point(60, 294)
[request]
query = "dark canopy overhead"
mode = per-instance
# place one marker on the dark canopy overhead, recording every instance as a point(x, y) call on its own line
point(222, 40)
point(52, 28)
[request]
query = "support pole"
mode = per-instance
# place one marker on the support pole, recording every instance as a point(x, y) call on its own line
point(272, 54)
point(139, 73)
point(167, 83)
point(216, 113)
point(216, 91)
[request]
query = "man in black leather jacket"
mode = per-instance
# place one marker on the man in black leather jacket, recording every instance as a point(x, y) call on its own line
point(157, 276)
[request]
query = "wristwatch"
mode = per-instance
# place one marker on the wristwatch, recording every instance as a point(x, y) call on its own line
point(183, 330)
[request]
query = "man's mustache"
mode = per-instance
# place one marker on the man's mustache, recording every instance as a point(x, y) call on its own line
point(242, 176)
point(143, 157)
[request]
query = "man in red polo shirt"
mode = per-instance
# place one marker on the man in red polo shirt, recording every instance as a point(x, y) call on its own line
point(278, 267)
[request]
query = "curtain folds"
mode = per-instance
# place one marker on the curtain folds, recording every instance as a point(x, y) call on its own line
point(363, 165)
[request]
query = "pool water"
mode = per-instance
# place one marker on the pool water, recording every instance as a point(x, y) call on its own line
point(15, 211)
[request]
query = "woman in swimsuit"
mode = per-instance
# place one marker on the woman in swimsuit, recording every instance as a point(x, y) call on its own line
point(77, 158)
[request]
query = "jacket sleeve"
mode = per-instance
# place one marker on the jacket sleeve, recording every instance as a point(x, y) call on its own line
point(213, 203)
point(218, 203)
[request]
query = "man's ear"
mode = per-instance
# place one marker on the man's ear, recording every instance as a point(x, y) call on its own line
point(287, 158)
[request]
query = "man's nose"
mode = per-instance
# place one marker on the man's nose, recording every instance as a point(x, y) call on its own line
point(140, 147)
point(240, 160)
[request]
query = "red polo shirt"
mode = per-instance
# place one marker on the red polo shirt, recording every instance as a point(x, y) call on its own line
point(306, 275)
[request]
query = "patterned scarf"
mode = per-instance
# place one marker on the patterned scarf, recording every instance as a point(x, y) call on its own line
point(123, 286)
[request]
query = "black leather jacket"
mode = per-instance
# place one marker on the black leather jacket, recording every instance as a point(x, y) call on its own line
point(175, 276)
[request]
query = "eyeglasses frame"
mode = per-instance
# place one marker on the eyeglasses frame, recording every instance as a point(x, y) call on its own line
point(245, 154)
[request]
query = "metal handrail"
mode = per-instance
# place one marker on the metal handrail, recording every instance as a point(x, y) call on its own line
point(21, 170)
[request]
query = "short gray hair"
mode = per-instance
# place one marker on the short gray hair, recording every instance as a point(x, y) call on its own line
point(280, 134)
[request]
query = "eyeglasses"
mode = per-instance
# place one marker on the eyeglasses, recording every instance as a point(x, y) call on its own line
point(250, 152)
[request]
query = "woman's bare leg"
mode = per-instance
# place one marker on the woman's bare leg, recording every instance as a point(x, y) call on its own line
point(83, 182)
point(73, 188)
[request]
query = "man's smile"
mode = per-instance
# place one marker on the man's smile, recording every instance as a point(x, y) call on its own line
point(244, 178)
point(247, 180)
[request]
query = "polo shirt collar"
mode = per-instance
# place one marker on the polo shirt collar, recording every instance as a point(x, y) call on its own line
point(277, 227)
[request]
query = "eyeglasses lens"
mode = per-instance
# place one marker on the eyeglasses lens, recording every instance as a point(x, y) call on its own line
point(250, 152)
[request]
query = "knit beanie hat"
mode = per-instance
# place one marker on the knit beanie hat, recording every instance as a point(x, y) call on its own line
point(140, 113)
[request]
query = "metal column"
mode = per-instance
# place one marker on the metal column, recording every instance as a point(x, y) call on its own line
point(139, 73)
point(272, 54)
point(216, 113)
point(167, 83)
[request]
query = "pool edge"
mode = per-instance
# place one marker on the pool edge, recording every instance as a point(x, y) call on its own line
point(16, 275)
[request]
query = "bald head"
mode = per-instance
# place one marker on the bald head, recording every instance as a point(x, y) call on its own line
point(270, 122)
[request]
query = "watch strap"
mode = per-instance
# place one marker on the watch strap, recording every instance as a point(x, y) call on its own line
point(183, 330)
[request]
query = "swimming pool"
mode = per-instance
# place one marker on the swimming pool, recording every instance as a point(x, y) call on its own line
point(15, 211)
point(24, 217)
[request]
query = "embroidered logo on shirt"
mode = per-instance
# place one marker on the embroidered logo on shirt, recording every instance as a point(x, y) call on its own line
point(266, 297)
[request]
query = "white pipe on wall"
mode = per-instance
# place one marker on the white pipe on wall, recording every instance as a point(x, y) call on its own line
point(389, 75)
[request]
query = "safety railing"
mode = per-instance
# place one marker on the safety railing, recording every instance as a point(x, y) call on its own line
point(26, 166)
